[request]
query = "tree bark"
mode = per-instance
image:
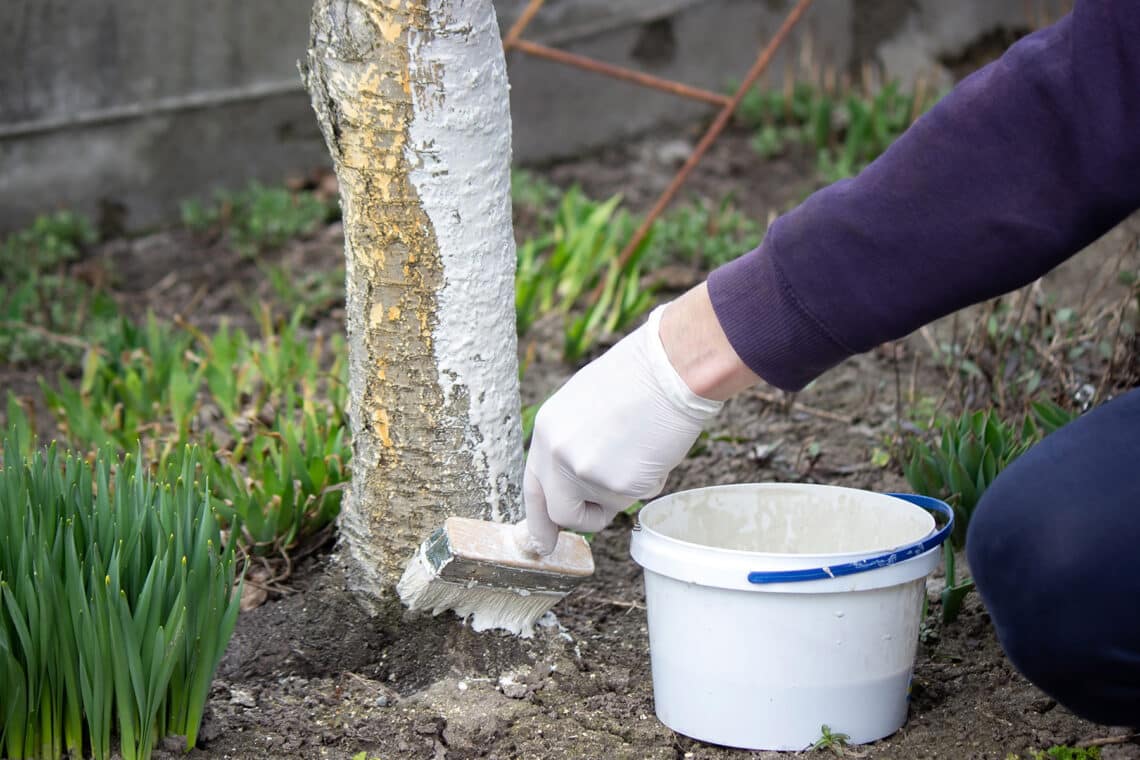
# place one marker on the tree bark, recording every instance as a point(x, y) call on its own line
point(412, 98)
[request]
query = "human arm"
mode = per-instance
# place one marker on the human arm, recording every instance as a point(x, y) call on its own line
point(1018, 168)
point(1023, 164)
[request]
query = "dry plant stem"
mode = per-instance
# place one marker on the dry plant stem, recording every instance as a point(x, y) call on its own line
point(898, 391)
point(912, 386)
point(52, 337)
point(162, 285)
point(919, 98)
point(952, 384)
point(714, 130)
point(1107, 740)
point(789, 87)
point(931, 343)
point(867, 79)
point(196, 298)
point(1117, 334)
point(600, 600)
point(619, 72)
point(774, 398)
point(1106, 280)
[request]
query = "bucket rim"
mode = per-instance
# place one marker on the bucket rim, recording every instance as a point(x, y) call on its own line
point(808, 558)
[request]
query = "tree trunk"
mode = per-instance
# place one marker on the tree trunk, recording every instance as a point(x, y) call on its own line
point(412, 98)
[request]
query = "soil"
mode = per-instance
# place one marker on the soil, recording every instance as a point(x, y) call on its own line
point(314, 674)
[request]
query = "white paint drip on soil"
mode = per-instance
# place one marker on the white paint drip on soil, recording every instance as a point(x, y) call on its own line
point(460, 153)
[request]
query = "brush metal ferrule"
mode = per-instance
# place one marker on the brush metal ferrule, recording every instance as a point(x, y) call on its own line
point(451, 567)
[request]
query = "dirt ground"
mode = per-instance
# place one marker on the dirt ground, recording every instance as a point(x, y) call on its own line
point(311, 674)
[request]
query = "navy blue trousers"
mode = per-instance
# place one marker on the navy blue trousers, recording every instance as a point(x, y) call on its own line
point(1054, 547)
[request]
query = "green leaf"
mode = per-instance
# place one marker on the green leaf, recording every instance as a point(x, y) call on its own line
point(92, 631)
point(952, 598)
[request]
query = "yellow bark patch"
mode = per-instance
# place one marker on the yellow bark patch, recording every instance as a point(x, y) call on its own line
point(383, 427)
point(394, 313)
point(376, 313)
point(389, 30)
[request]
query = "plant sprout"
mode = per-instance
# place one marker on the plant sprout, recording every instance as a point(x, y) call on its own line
point(117, 600)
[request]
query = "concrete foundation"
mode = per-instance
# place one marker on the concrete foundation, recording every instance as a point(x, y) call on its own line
point(126, 107)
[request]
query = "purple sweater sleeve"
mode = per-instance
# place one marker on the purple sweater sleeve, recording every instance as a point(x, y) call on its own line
point(1023, 164)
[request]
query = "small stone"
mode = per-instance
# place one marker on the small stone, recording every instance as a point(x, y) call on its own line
point(383, 701)
point(617, 679)
point(210, 730)
point(242, 698)
point(173, 743)
point(429, 726)
point(674, 152)
point(512, 687)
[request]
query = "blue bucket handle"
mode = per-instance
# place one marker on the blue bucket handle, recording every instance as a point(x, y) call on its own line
point(871, 563)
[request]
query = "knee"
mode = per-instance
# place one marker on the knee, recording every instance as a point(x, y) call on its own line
point(1000, 543)
point(1051, 547)
point(1020, 579)
point(1035, 572)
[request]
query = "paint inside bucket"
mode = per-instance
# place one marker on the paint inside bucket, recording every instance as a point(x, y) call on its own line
point(776, 609)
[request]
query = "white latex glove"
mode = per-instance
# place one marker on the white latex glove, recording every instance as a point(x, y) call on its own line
point(609, 437)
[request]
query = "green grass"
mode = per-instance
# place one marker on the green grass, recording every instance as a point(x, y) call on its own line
point(533, 194)
point(559, 271)
point(846, 131)
point(574, 255)
point(47, 313)
point(270, 409)
point(259, 218)
point(703, 235)
point(316, 291)
point(118, 600)
point(831, 741)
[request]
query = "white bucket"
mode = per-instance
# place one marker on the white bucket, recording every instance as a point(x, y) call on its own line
point(776, 609)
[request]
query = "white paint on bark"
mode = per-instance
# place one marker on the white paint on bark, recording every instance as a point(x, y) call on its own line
point(460, 154)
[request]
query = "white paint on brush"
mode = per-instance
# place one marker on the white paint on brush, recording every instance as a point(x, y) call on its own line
point(484, 607)
point(460, 151)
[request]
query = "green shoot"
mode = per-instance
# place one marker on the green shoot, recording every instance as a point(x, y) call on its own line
point(533, 195)
point(1065, 752)
point(47, 313)
point(271, 409)
point(117, 600)
point(846, 132)
point(259, 218)
point(830, 740)
point(970, 453)
point(557, 273)
point(703, 235)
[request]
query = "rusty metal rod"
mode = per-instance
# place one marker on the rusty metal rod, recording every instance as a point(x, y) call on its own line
point(709, 137)
point(521, 24)
point(618, 72)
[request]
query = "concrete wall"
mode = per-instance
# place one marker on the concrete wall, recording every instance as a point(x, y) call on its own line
point(141, 103)
point(128, 106)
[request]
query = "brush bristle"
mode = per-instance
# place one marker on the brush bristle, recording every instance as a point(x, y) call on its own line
point(484, 606)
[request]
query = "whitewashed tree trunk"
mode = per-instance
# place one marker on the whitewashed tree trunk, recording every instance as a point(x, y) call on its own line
point(412, 98)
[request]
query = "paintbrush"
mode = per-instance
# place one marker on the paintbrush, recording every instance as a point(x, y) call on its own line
point(481, 570)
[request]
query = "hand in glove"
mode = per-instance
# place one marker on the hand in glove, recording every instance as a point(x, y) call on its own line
point(609, 437)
